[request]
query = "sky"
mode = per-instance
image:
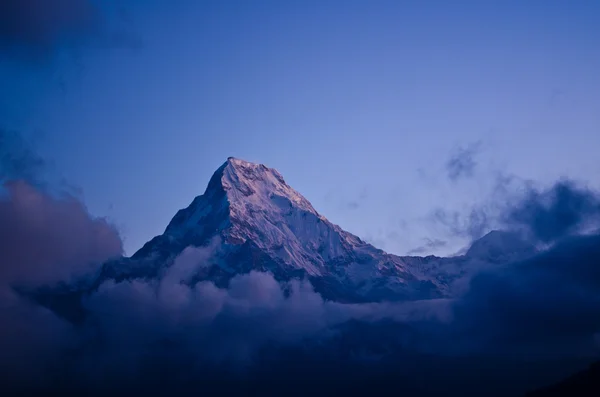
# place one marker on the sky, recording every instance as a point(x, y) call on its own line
point(382, 114)
point(419, 126)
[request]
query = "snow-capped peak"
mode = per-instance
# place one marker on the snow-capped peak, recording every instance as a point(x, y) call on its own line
point(255, 183)
point(245, 201)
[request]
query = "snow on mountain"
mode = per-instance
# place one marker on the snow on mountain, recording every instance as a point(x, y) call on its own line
point(263, 224)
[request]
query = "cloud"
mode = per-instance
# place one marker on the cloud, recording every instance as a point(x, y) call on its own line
point(430, 245)
point(35, 30)
point(543, 304)
point(472, 224)
point(182, 329)
point(199, 328)
point(358, 201)
point(141, 325)
point(547, 305)
point(216, 324)
point(462, 163)
point(47, 239)
point(230, 324)
point(31, 337)
point(353, 205)
point(554, 213)
point(546, 214)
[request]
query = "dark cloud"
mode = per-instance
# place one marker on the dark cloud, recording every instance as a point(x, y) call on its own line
point(544, 304)
point(44, 240)
point(47, 239)
point(430, 245)
point(215, 324)
point(54, 241)
point(546, 214)
point(35, 30)
point(554, 213)
point(547, 305)
point(168, 323)
point(462, 163)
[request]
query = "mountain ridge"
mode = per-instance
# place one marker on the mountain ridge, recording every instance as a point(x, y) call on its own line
point(266, 225)
point(256, 214)
point(249, 219)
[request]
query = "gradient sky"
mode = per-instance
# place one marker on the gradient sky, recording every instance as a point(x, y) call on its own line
point(360, 105)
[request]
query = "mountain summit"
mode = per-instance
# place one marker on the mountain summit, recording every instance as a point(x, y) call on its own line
point(251, 199)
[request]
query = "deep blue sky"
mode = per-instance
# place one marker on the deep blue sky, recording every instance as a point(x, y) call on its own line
point(360, 105)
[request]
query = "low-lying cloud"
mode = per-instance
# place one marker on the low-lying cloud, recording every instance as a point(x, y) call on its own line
point(44, 240)
point(428, 246)
point(53, 241)
point(547, 305)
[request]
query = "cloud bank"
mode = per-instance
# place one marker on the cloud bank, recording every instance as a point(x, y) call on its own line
point(45, 240)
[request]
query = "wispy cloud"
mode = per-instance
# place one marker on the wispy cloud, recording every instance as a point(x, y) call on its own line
point(471, 225)
point(358, 201)
point(462, 163)
point(429, 246)
point(547, 214)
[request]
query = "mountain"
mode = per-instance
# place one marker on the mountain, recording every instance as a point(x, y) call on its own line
point(249, 218)
point(261, 223)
